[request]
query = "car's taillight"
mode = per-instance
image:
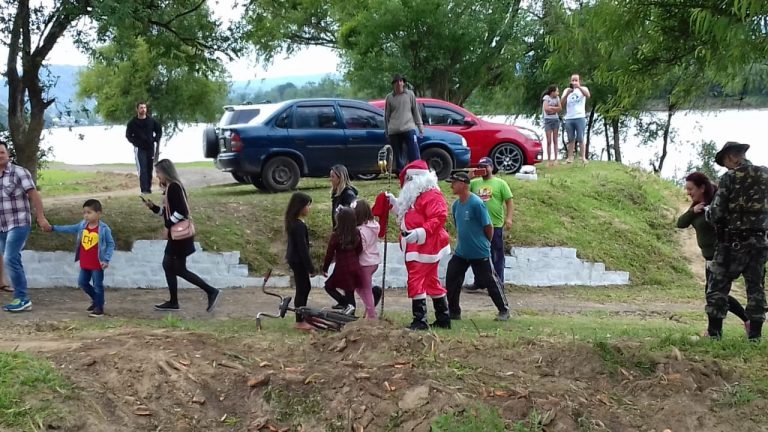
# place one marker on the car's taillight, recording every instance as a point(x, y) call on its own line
point(235, 142)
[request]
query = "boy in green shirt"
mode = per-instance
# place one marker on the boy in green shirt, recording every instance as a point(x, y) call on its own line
point(497, 197)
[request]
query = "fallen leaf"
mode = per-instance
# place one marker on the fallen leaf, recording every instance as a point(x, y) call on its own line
point(500, 393)
point(198, 399)
point(142, 410)
point(185, 362)
point(362, 375)
point(265, 364)
point(315, 377)
point(259, 380)
point(340, 345)
point(397, 376)
point(389, 387)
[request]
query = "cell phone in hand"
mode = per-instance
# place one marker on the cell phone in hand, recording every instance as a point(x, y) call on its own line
point(479, 172)
point(570, 85)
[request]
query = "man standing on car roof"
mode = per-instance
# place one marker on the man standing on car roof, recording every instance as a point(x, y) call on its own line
point(401, 118)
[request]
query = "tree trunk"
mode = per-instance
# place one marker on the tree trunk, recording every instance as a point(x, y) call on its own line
point(670, 112)
point(589, 132)
point(607, 141)
point(25, 126)
point(616, 139)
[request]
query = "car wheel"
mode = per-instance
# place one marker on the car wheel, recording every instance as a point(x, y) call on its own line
point(507, 158)
point(210, 143)
point(438, 160)
point(367, 177)
point(280, 174)
point(259, 183)
point(240, 178)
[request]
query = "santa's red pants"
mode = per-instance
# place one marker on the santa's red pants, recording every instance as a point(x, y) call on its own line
point(423, 280)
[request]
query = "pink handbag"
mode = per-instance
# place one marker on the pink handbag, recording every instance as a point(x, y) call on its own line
point(183, 229)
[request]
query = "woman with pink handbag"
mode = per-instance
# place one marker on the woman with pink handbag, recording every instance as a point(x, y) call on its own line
point(181, 237)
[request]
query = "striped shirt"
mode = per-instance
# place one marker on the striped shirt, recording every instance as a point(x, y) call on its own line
point(15, 182)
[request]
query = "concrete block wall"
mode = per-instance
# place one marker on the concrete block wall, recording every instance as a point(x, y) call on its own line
point(141, 268)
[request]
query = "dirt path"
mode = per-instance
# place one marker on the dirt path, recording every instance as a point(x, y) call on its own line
point(68, 303)
point(193, 178)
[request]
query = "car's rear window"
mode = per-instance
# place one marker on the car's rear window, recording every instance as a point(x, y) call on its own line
point(254, 115)
point(238, 116)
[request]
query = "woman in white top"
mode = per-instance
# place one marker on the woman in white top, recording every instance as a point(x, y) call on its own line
point(575, 99)
point(551, 108)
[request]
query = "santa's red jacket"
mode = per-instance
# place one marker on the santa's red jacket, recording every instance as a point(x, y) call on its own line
point(430, 212)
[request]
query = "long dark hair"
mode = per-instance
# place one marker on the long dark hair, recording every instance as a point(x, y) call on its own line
point(700, 179)
point(296, 204)
point(363, 212)
point(549, 90)
point(346, 228)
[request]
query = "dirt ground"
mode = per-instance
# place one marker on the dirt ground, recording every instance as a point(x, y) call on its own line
point(58, 304)
point(371, 378)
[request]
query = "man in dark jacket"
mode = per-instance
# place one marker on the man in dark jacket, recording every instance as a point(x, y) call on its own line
point(144, 133)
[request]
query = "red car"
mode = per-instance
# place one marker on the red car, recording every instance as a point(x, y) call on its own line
point(510, 147)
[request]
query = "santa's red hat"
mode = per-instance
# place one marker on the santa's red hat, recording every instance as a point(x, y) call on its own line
point(417, 167)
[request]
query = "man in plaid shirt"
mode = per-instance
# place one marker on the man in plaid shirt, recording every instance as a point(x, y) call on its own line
point(17, 189)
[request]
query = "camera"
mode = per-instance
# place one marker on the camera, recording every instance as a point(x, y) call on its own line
point(570, 85)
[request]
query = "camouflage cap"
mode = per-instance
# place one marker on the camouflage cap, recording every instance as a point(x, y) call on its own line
point(727, 148)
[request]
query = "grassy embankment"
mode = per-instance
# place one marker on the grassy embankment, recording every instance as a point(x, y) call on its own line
point(610, 213)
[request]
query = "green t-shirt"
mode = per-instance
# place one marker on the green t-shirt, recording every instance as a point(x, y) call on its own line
point(494, 193)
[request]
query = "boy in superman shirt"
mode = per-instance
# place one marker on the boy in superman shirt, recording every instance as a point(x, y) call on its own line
point(94, 248)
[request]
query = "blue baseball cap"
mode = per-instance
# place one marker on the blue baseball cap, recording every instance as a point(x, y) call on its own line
point(486, 161)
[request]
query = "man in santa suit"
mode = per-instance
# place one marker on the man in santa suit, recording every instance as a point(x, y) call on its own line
point(421, 215)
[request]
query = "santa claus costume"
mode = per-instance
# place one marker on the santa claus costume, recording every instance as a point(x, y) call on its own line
point(421, 215)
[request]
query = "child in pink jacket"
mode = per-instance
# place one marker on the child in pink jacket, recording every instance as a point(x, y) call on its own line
point(370, 257)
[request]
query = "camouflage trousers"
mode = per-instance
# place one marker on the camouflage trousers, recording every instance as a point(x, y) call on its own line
point(727, 265)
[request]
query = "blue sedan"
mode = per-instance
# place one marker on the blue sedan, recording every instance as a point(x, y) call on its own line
point(305, 138)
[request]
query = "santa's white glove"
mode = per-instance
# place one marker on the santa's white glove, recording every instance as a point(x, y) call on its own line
point(392, 201)
point(417, 235)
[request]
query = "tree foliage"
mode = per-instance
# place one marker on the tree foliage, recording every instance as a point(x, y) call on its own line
point(183, 29)
point(446, 49)
point(177, 92)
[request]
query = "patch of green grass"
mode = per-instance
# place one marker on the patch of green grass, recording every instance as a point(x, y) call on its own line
point(294, 407)
point(534, 422)
point(29, 389)
point(737, 395)
point(472, 419)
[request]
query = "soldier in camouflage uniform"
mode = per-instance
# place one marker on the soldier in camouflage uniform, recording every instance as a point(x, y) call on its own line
point(739, 212)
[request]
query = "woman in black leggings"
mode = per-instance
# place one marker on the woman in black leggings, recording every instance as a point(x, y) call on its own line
point(175, 210)
point(701, 191)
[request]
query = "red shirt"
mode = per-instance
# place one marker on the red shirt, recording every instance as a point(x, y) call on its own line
point(89, 249)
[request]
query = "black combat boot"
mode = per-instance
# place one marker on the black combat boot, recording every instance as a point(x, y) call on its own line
point(442, 317)
point(419, 308)
point(715, 328)
point(755, 331)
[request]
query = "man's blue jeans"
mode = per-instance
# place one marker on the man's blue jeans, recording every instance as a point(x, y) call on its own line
point(95, 291)
point(498, 256)
point(11, 244)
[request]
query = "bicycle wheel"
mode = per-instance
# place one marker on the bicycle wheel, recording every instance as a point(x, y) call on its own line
point(324, 317)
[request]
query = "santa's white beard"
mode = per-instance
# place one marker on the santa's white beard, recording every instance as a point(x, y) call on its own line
point(411, 191)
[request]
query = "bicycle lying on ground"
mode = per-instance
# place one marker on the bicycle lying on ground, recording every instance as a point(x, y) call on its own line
point(321, 319)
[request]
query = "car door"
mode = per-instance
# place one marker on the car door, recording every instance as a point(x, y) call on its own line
point(315, 132)
point(447, 119)
point(364, 129)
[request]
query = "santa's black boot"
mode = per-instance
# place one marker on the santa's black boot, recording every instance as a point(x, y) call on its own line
point(419, 308)
point(442, 317)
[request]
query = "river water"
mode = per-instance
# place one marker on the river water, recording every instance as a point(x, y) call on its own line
point(107, 144)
